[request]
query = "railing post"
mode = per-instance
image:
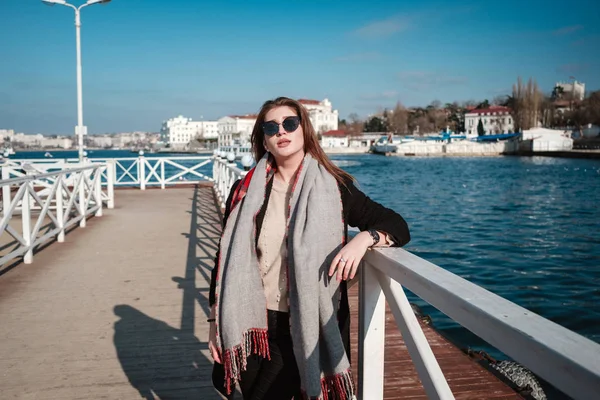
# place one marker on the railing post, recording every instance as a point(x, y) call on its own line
point(162, 173)
point(60, 212)
point(26, 220)
point(435, 384)
point(81, 196)
point(142, 172)
point(371, 335)
point(111, 173)
point(98, 189)
point(5, 191)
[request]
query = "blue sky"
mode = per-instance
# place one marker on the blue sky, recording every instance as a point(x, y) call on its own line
point(148, 60)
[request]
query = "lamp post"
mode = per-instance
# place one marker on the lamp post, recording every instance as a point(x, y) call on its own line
point(80, 129)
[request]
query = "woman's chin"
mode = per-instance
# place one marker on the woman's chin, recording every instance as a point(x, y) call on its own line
point(286, 153)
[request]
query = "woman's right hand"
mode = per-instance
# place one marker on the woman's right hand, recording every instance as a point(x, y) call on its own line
point(215, 352)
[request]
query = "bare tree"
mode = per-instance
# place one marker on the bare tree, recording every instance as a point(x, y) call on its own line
point(356, 125)
point(526, 103)
point(398, 119)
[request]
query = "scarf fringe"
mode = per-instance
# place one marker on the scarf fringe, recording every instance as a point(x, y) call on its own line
point(337, 387)
point(254, 341)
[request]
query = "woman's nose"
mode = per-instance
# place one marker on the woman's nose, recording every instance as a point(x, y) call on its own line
point(281, 130)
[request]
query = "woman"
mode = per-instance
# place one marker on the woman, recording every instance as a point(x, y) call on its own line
point(279, 322)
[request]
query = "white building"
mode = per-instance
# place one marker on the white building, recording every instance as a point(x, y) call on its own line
point(334, 138)
point(6, 133)
point(58, 142)
point(179, 131)
point(364, 141)
point(495, 119)
point(28, 140)
point(321, 113)
point(101, 141)
point(208, 129)
point(577, 89)
point(543, 139)
point(235, 129)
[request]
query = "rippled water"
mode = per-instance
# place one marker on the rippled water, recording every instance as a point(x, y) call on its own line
point(525, 228)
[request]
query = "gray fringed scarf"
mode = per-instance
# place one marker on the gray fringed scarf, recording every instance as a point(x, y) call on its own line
point(315, 235)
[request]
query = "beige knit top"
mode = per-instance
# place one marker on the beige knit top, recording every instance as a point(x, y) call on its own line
point(272, 248)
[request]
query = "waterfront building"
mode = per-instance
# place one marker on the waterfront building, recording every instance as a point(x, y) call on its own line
point(572, 90)
point(322, 115)
point(179, 131)
point(495, 120)
point(235, 129)
point(208, 129)
point(6, 133)
point(100, 141)
point(335, 138)
point(543, 139)
point(365, 141)
point(57, 142)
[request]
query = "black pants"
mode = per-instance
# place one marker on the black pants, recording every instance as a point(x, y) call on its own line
point(274, 379)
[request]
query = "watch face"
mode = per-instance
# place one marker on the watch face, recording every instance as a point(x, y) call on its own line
point(374, 235)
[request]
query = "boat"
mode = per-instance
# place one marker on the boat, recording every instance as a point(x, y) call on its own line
point(8, 151)
point(386, 144)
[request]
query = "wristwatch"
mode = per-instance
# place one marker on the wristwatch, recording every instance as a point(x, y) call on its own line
point(375, 235)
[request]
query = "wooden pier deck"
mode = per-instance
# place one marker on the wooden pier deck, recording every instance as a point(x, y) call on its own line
point(119, 310)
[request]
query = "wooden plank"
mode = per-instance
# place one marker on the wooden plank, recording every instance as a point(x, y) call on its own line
point(119, 310)
point(467, 379)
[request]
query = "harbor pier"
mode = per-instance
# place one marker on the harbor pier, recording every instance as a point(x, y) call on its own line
point(117, 308)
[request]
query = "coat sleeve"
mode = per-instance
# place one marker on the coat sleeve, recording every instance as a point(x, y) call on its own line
point(363, 213)
point(213, 274)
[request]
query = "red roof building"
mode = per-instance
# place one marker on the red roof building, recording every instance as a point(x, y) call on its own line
point(309, 102)
point(492, 110)
point(247, 116)
point(494, 119)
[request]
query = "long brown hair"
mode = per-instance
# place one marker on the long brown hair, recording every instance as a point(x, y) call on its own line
point(311, 142)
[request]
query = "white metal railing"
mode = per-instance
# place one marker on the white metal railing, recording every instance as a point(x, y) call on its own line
point(225, 174)
point(564, 358)
point(139, 171)
point(143, 171)
point(65, 197)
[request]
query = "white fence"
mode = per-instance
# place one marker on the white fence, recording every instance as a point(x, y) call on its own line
point(64, 197)
point(567, 360)
point(140, 171)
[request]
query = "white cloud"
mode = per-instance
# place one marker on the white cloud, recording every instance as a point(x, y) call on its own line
point(384, 28)
point(426, 80)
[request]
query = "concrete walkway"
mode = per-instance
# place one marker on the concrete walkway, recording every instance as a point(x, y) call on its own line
point(119, 310)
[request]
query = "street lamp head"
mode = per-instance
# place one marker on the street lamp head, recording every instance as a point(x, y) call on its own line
point(90, 2)
point(53, 2)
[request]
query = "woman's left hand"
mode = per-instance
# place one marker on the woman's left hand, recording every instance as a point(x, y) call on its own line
point(347, 260)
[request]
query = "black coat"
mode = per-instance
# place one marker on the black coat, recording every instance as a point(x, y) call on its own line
point(359, 211)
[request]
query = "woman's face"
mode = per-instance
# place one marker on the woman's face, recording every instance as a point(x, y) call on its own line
point(284, 145)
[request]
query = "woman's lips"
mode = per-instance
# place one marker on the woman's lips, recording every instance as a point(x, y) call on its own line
point(283, 143)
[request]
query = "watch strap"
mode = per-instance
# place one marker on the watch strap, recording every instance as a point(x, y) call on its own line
point(375, 236)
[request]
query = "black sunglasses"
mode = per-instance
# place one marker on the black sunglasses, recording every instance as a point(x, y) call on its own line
point(290, 124)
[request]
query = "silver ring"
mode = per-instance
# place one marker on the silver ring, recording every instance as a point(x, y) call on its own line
point(342, 260)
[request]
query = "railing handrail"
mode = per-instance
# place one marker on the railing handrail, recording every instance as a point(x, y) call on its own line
point(567, 360)
point(20, 179)
point(238, 171)
point(67, 197)
point(76, 160)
